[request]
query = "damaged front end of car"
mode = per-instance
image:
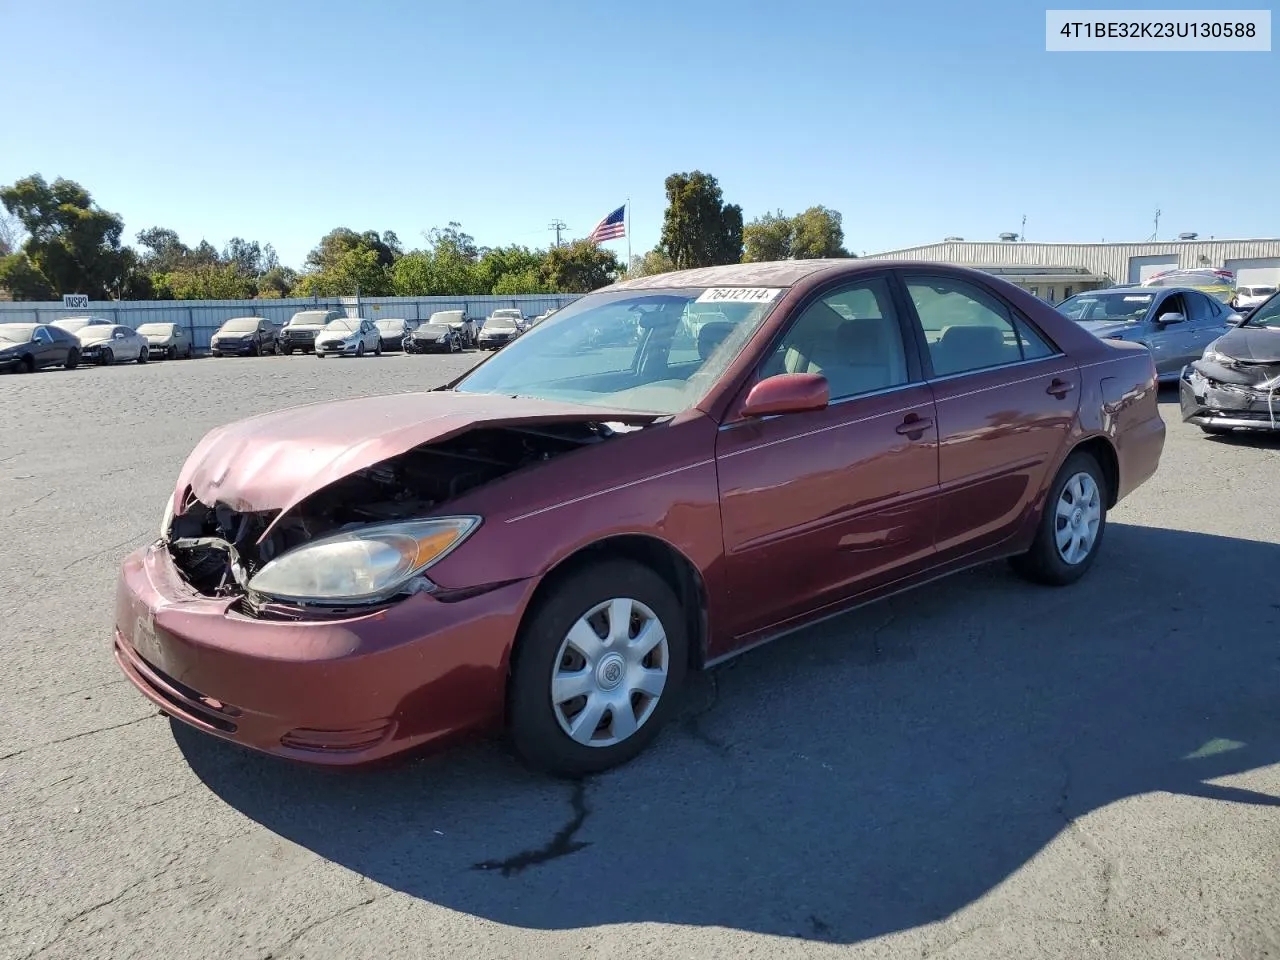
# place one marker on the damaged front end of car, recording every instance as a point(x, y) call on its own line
point(1224, 393)
point(365, 540)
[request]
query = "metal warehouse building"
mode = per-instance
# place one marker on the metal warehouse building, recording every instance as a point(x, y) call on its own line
point(1054, 271)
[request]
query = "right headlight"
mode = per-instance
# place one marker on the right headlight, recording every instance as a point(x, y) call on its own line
point(363, 565)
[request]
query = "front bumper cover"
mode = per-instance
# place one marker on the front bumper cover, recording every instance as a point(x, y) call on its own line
point(1207, 402)
point(333, 692)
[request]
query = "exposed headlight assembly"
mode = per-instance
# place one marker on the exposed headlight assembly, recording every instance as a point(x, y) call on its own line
point(166, 521)
point(368, 564)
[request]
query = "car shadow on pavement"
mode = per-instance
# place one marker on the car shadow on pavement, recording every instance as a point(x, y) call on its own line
point(869, 775)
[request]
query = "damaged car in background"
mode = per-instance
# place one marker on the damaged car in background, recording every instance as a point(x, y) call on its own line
point(1236, 384)
point(548, 544)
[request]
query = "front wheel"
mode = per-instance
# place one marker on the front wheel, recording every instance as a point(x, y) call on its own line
point(73, 359)
point(360, 349)
point(108, 357)
point(377, 350)
point(598, 668)
point(1071, 526)
point(144, 355)
point(1215, 431)
point(171, 353)
point(319, 355)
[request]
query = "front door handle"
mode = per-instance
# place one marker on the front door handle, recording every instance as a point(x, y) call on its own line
point(1060, 388)
point(914, 426)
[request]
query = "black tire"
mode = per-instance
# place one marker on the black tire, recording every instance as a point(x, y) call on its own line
point(288, 351)
point(171, 353)
point(1043, 563)
point(144, 355)
point(319, 355)
point(377, 351)
point(1215, 431)
point(360, 349)
point(533, 728)
point(191, 351)
point(108, 357)
point(257, 350)
point(73, 359)
point(28, 364)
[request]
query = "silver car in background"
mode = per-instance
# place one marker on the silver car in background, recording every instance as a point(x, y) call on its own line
point(348, 337)
point(1174, 323)
point(76, 324)
point(168, 340)
point(112, 343)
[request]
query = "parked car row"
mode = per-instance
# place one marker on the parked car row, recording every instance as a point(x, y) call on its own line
point(72, 340)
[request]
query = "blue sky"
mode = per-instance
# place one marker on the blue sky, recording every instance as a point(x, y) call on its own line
point(277, 121)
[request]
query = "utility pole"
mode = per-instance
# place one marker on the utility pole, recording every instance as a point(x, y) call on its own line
point(558, 226)
point(1023, 236)
point(1156, 233)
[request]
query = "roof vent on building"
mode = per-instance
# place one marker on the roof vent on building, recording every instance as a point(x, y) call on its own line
point(1187, 236)
point(953, 240)
point(1008, 237)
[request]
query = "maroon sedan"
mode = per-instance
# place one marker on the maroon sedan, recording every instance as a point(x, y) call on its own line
point(550, 543)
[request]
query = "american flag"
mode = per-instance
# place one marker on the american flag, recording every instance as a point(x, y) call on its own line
point(611, 227)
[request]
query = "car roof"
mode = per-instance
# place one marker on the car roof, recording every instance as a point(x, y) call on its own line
point(1137, 291)
point(777, 273)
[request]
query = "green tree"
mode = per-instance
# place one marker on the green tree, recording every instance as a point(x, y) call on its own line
point(71, 241)
point(817, 233)
point(579, 267)
point(277, 282)
point(699, 229)
point(358, 270)
point(10, 234)
point(768, 238)
point(208, 282)
point(649, 264)
point(162, 251)
point(19, 276)
point(502, 268)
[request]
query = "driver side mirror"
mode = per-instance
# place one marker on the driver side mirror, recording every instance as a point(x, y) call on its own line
point(787, 393)
point(1165, 319)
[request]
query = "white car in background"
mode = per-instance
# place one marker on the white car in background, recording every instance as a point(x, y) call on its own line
point(107, 343)
point(501, 328)
point(168, 340)
point(1250, 296)
point(350, 337)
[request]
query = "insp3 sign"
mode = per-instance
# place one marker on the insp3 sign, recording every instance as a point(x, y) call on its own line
point(75, 301)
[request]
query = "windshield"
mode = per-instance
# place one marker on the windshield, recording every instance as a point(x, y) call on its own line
point(342, 325)
point(1106, 306)
point(446, 316)
point(501, 323)
point(390, 326)
point(1259, 291)
point(16, 332)
point(629, 350)
point(1267, 315)
point(97, 332)
point(240, 325)
point(308, 318)
point(156, 329)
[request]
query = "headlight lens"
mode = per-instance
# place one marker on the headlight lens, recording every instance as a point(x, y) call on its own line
point(364, 565)
point(1213, 356)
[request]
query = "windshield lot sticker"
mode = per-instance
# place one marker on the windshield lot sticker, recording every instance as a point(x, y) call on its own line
point(738, 295)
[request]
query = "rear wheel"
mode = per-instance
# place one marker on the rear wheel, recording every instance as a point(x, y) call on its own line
point(597, 669)
point(1071, 526)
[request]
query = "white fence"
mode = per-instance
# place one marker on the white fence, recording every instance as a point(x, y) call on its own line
point(203, 317)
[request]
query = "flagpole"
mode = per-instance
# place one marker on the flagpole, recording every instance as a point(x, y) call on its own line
point(627, 225)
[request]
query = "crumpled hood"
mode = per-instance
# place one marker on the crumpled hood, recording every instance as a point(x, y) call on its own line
point(276, 460)
point(1108, 328)
point(1251, 344)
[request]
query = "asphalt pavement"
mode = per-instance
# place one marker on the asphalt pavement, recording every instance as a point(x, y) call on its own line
point(977, 769)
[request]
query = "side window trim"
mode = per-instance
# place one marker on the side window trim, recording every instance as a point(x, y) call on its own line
point(1015, 316)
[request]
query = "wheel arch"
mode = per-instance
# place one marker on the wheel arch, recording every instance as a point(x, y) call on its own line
point(680, 573)
point(1102, 450)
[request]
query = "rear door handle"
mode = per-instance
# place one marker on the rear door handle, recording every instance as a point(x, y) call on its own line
point(1060, 388)
point(914, 426)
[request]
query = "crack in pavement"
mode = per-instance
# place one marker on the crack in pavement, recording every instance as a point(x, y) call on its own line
point(83, 733)
point(692, 723)
point(27, 506)
point(967, 933)
point(277, 952)
point(1081, 836)
point(561, 845)
point(98, 553)
point(80, 915)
